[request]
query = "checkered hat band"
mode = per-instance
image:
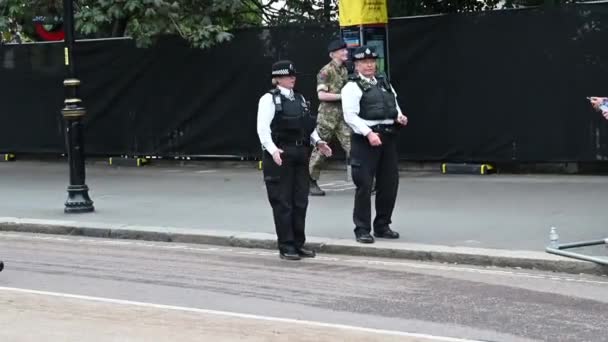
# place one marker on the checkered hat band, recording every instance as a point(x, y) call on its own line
point(362, 55)
point(281, 72)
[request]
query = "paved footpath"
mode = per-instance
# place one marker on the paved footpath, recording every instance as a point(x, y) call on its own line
point(499, 212)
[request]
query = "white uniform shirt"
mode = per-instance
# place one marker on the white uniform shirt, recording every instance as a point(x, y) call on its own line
point(266, 111)
point(351, 97)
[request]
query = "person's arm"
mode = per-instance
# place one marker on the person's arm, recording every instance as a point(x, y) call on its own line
point(329, 97)
point(315, 138)
point(396, 101)
point(401, 118)
point(351, 95)
point(320, 144)
point(266, 109)
point(324, 78)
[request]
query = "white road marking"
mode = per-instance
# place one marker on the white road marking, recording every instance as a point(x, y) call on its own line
point(206, 171)
point(332, 184)
point(338, 186)
point(235, 315)
point(404, 264)
point(343, 189)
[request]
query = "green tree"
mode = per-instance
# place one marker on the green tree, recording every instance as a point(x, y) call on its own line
point(13, 14)
point(201, 22)
point(277, 12)
point(426, 7)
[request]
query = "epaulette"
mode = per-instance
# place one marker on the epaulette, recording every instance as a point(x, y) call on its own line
point(383, 80)
point(363, 85)
point(353, 77)
point(276, 99)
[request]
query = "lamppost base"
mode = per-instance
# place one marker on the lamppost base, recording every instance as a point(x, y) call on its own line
point(78, 200)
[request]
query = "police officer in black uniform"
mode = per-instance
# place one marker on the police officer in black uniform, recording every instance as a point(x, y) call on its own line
point(370, 107)
point(286, 129)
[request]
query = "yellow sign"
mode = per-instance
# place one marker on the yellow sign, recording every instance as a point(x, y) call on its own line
point(362, 12)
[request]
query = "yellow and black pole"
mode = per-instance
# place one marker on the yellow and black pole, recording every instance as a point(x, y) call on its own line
point(365, 22)
point(73, 113)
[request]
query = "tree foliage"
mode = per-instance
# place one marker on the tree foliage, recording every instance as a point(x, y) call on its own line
point(277, 12)
point(201, 22)
point(428, 7)
point(204, 23)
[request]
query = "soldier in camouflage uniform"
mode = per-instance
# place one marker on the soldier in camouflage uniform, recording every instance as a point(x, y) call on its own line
point(330, 121)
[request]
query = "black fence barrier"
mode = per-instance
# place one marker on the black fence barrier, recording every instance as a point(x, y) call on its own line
point(503, 85)
point(495, 86)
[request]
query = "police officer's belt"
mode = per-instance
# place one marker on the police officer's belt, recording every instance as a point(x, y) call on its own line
point(303, 142)
point(384, 128)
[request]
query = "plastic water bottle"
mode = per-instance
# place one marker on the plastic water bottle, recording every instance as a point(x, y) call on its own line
point(553, 238)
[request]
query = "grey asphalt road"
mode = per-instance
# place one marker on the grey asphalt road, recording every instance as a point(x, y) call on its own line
point(488, 304)
point(495, 211)
point(67, 318)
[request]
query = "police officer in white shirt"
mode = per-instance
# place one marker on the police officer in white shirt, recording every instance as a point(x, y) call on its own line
point(286, 129)
point(370, 108)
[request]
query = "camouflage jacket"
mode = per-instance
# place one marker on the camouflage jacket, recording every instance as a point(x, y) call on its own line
point(331, 79)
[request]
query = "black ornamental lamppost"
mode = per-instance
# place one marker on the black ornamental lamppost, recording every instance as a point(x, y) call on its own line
point(73, 113)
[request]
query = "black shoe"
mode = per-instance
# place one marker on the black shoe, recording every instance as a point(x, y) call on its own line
point(1, 266)
point(289, 254)
point(386, 234)
point(315, 190)
point(364, 238)
point(306, 253)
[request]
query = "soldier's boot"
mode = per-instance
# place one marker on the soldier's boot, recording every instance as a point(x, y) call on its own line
point(315, 190)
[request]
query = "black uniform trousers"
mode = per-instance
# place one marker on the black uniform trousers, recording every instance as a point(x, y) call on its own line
point(381, 162)
point(287, 187)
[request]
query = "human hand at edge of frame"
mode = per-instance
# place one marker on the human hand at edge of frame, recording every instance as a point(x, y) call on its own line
point(276, 156)
point(324, 148)
point(596, 102)
point(605, 114)
point(402, 119)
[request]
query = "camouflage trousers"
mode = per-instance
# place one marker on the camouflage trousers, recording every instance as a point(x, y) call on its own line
point(330, 124)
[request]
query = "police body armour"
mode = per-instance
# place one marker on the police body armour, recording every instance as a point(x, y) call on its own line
point(293, 118)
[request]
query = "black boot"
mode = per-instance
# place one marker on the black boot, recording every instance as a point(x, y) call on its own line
point(386, 233)
point(364, 238)
point(315, 190)
point(289, 253)
point(306, 253)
